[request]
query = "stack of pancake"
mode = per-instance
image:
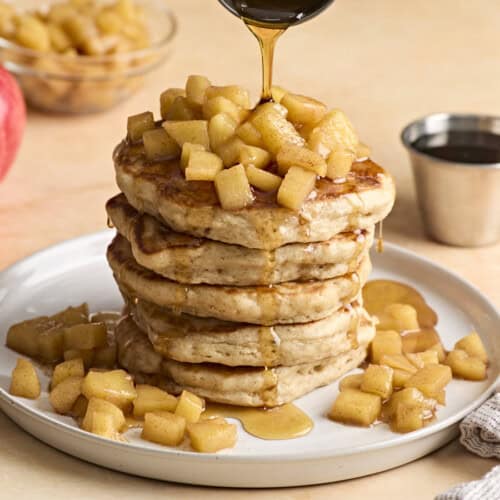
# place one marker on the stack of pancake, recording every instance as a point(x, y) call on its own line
point(253, 307)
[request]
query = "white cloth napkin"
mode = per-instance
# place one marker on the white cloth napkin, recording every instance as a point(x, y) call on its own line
point(480, 434)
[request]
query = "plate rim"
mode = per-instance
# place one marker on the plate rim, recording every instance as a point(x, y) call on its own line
point(292, 456)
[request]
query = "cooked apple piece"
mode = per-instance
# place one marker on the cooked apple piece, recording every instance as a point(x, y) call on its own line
point(333, 132)
point(102, 424)
point(190, 406)
point(407, 418)
point(63, 396)
point(362, 152)
point(193, 131)
point(67, 369)
point(276, 131)
point(438, 347)
point(96, 405)
point(51, 345)
point(138, 124)
point(440, 397)
point(419, 341)
point(105, 357)
point(187, 149)
point(163, 428)
point(150, 399)
point(473, 346)
point(159, 145)
point(85, 336)
point(351, 382)
point(108, 21)
point(25, 382)
point(115, 386)
point(233, 188)
point(79, 407)
point(80, 29)
point(181, 110)
point(265, 181)
point(209, 436)
point(203, 166)
point(430, 379)
point(73, 315)
point(230, 151)
point(400, 377)
point(252, 155)
point(196, 87)
point(465, 366)
point(410, 396)
point(167, 98)
point(296, 187)
point(278, 93)
point(339, 163)
point(302, 109)
point(221, 128)
point(23, 337)
point(86, 355)
point(234, 93)
point(291, 155)
point(397, 361)
point(420, 359)
point(219, 105)
point(250, 135)
point(32, 33)
point(268, 107)
point(399, 317)
point(353, 406)
point(385, 342)
point(377, 379)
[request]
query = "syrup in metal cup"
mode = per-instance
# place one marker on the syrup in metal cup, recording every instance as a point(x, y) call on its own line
point(456, 166)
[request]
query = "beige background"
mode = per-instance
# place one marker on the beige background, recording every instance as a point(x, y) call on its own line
point(385, 63)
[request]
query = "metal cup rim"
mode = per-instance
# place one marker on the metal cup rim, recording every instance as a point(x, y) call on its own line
point(473, 118)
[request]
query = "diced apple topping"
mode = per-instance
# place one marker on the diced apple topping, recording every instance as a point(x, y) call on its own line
point(221, 128)
point(159, 145)
point(233, 188)
point(138, 124)
point(194, 131)
point(333, 132)
point(234, 93)
point(187, 149)
point(252, 155)
point(167, 98)
point(203, 166)
point(296, 187)
point(292, 131)
point(291, 155)
point(465, 366)
point(196, 88)
point(265, 181)
point(473, 346)
point(303, 110)
point(339, 163)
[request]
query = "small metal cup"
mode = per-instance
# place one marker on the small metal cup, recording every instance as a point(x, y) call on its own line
point(459, 202)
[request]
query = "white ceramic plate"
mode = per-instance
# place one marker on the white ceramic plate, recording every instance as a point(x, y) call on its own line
point(76, 271)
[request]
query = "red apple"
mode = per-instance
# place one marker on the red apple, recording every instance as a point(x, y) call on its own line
point(12, 120)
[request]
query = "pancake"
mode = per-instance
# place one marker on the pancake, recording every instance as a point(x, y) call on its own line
point(160, 189)
point(188, 259)
point(207, 340)
point(291, 302)
point(237, 385)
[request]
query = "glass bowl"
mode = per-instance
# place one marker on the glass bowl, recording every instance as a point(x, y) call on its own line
point(86, 84)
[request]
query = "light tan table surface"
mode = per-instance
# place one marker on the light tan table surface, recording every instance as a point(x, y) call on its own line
point(385, 63)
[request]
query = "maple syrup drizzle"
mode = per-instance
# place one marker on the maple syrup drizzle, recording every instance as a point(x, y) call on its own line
point(267, 38)
point(283, 422)
point(109, 223)
point(380, 238)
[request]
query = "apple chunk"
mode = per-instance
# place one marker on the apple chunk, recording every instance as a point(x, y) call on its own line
point(296, 187)
point(193, 131)
point(302, 109)
point(233, 188)
point(265, 181)
point(203, 166)
point(291, 155)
